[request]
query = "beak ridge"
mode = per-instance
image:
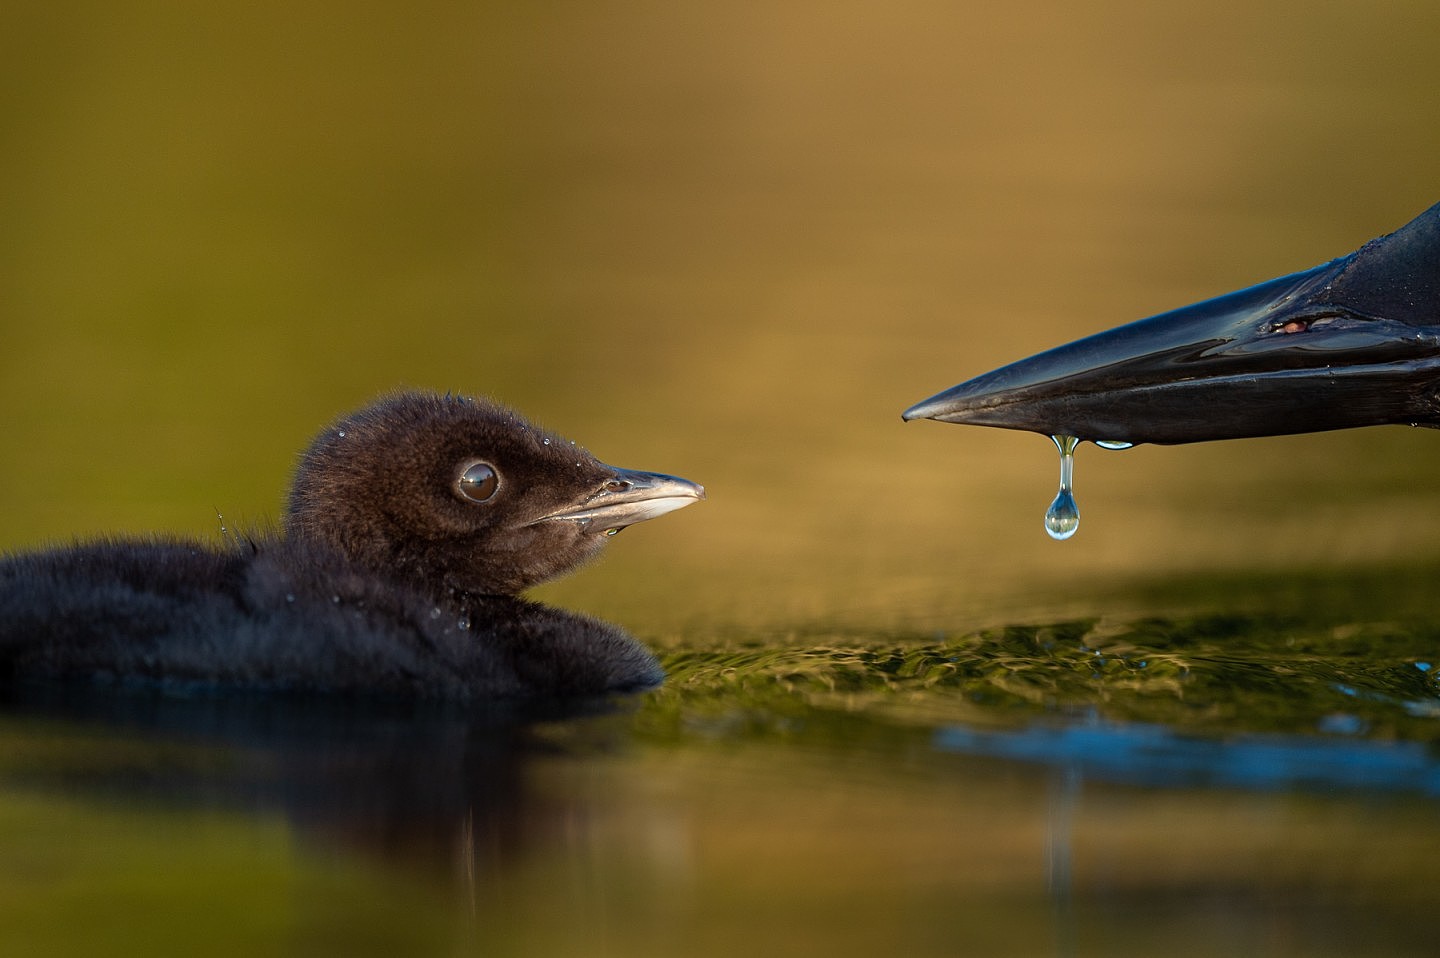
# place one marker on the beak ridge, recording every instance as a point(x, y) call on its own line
point(632, 496)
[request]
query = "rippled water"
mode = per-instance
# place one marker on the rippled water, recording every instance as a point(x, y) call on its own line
point(732, 243)
point(1076, 787)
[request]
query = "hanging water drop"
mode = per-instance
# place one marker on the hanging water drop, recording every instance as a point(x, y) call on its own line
point(1063, 516)
point(1112, 443)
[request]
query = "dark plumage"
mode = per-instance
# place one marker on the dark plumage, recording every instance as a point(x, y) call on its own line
point(411, 526)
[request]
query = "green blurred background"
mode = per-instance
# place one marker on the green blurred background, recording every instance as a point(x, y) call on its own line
point(728, 241)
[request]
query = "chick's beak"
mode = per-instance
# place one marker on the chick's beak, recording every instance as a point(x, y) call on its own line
point(630, 496)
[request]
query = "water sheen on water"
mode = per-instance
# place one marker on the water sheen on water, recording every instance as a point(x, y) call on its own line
point(1024, 789)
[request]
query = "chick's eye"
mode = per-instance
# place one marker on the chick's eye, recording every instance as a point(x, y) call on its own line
point(478, 481)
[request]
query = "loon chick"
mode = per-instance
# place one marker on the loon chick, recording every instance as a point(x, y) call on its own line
point(411, 527)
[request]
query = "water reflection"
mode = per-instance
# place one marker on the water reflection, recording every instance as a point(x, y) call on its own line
point(1155, 756)
point(1207, 674)
point(1249, 703)
point(1235, 702)
point(438, 788)
point(1024, 790)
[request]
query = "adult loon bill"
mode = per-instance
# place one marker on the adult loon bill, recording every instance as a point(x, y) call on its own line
point(1353, 342)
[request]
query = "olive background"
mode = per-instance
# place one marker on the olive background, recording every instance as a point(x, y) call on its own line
point(729, 242)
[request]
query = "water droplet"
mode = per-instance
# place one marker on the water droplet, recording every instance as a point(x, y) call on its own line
point(1112, 443)
point(435, 612)
point(1063, 516)
point(546, 441)
point(342, 434)
point(611, 532)
point(335, 599)
point(289, 597)
point(463, 624)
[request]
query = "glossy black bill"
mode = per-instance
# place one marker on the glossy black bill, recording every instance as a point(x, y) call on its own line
point(1355, 342)
point(630, 497)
